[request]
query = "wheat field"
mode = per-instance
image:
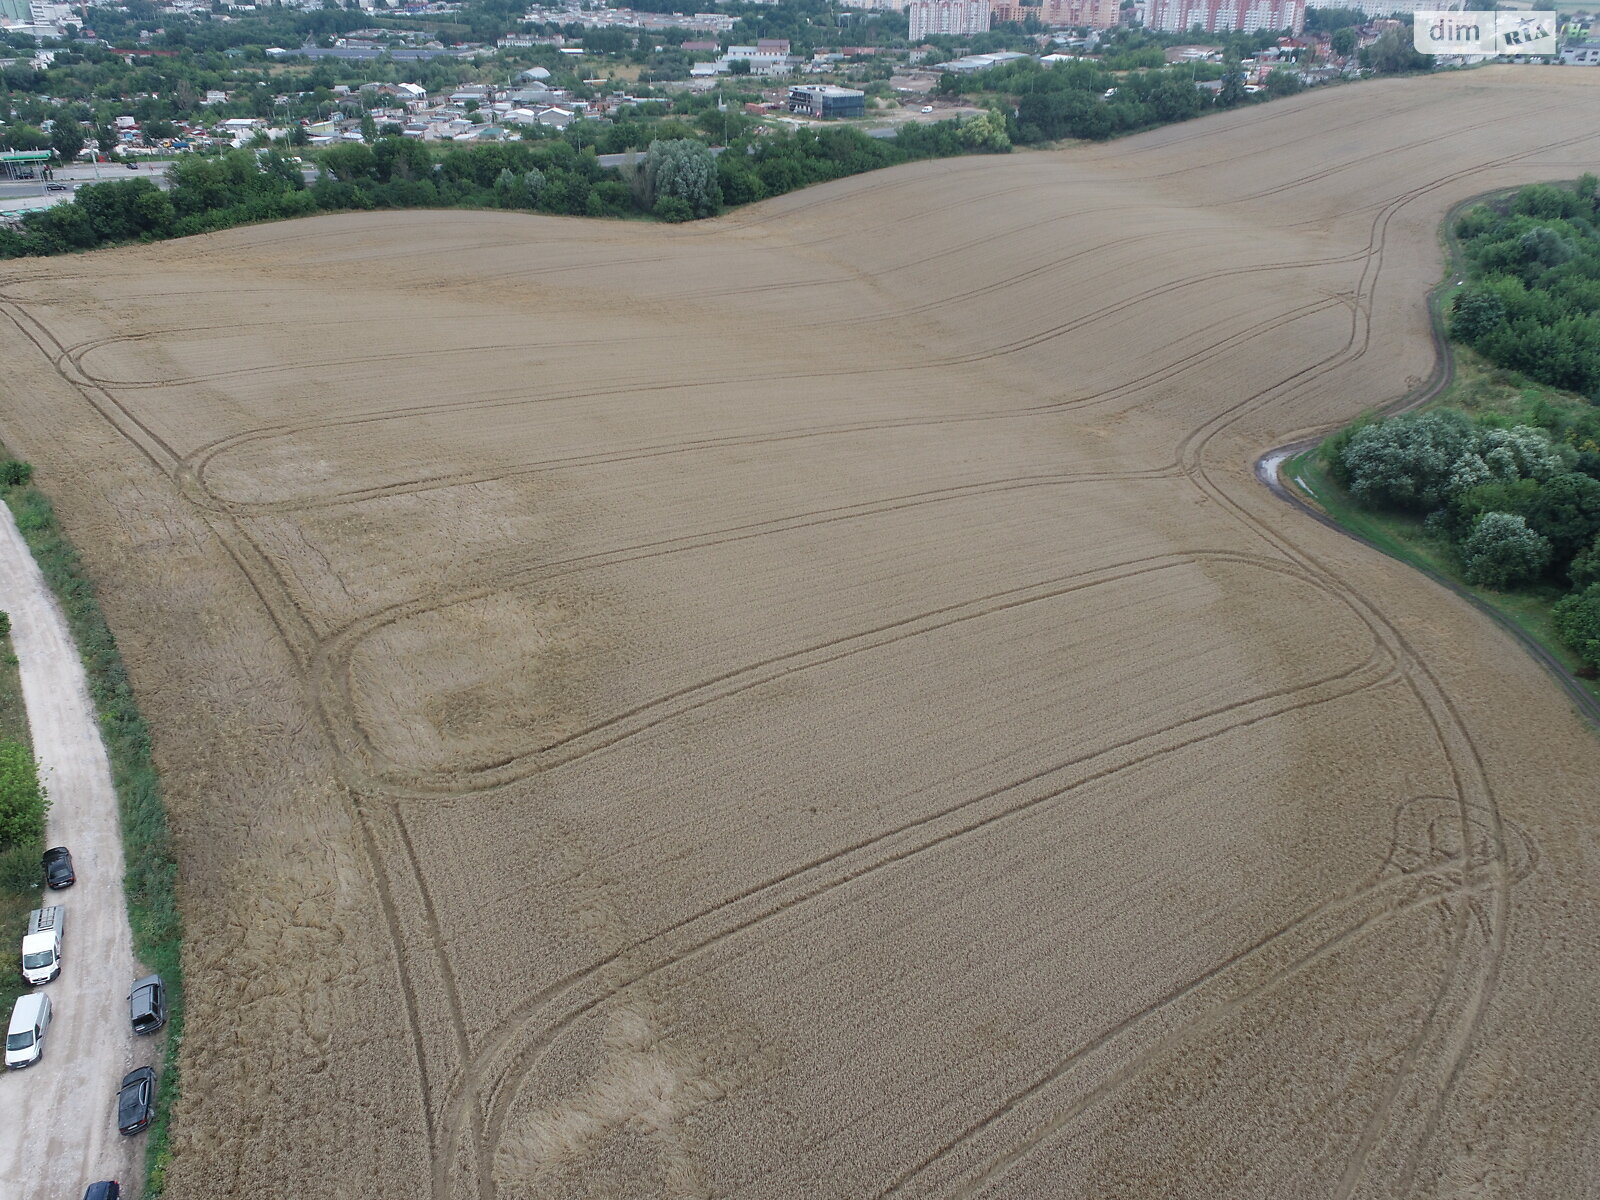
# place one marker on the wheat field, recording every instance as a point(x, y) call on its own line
point(815, 703)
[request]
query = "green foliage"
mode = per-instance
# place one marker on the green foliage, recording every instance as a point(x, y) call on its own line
point(19, 868)
point(66, 139)
point(1501, 551)
point(686, 171)
point(1394, 54)
point(22, 797)
point(5, 624)
point(1585, 567)
point(14, 472)
point(1533, 304)
point(1343, 42)
point(1577, 623)
point(1407, 462)
point(986, 131)
point(1329, 20)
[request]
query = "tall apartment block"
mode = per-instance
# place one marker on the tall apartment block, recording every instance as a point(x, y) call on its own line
point(957, 18)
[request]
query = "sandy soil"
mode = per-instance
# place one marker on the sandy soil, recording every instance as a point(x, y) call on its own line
point(815, 704)
point(61, 1113)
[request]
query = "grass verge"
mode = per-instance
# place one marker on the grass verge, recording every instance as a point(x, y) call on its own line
point(1402, 537)
point(150, 881)
point(21, 882)
point(1462, 379)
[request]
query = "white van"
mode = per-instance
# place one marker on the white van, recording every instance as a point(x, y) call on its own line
point(25, 1037)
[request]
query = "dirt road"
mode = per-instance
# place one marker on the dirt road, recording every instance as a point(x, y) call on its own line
point(59, 1133)
point(816, 704)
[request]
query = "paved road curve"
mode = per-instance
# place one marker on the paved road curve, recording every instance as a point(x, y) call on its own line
point(58, 1128)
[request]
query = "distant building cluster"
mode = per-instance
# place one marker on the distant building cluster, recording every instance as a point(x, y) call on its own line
point(1062, 14)
point(1224, 16)
point(953, 18)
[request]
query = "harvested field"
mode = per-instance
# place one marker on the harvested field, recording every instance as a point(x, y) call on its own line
point(814, 704)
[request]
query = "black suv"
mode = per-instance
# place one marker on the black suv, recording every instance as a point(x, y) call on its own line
point(58, 872)
point(147, 1004)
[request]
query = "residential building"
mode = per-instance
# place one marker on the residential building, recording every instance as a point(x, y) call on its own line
point(822, 100)
point(953, 18)
point(1220, 16)
point(1581, 54)
point(1061, 14)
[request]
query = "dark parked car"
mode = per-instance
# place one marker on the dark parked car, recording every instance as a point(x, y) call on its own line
point(147, 1004)
point(137, 1100)
point(56, 187)
point(58, 872)
point(105, 1190)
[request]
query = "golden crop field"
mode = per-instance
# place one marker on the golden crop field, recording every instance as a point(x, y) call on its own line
point(815, 703)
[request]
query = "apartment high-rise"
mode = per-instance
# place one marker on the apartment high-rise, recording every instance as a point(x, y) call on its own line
point(1218, 16)
point(955, 18)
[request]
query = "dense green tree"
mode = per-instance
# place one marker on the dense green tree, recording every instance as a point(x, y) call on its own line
point(1344, 42)
point(1585, 567)
point(1501, 551)
point(66, 139)
point(1474, 314)
point(1566, 510)
point(23, 803)
point(685, 170)
point(1577, 623)
point(1407, 461)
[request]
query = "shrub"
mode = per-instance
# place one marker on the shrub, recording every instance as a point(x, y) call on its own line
point(14, 472)
point(20, 872)
point(1406, 462)
point(22, 797)
point(1502, 551)
point(1577, 623)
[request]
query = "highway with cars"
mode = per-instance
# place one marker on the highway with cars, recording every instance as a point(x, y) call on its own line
point(61, 1113)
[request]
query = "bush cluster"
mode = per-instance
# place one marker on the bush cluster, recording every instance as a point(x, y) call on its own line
point(1532, 300)
point(678, 179)
point(1519, 504)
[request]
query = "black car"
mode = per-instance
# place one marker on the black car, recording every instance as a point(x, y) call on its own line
point(56, 187)
point(136, 1101)
point(58, 872)
point(147, 1004)
point(105, 1190)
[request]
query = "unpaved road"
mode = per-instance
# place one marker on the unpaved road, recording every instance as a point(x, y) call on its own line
point(59, 1130)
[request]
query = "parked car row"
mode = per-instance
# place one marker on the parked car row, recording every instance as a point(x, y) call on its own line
point(32, 1013)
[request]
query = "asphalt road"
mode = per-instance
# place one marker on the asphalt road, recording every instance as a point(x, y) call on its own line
point(59, 1115)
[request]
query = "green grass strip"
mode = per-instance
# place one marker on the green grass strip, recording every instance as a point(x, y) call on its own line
point(151, 877)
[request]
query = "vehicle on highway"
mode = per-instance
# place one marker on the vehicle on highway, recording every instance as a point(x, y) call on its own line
point(136, 1101)
point(30, 1017)
point(56, 187)
point(106, 1189)
point(41, 945)
point(58, 872)
point(147, 1004)
point(132, 166)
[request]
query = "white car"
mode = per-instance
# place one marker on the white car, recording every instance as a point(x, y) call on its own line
point(30, 1017)
point(927, 108)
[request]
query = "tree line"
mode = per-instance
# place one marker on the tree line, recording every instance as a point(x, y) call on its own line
point(1515, 503)
point(1532, 300)
point(675, 179)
